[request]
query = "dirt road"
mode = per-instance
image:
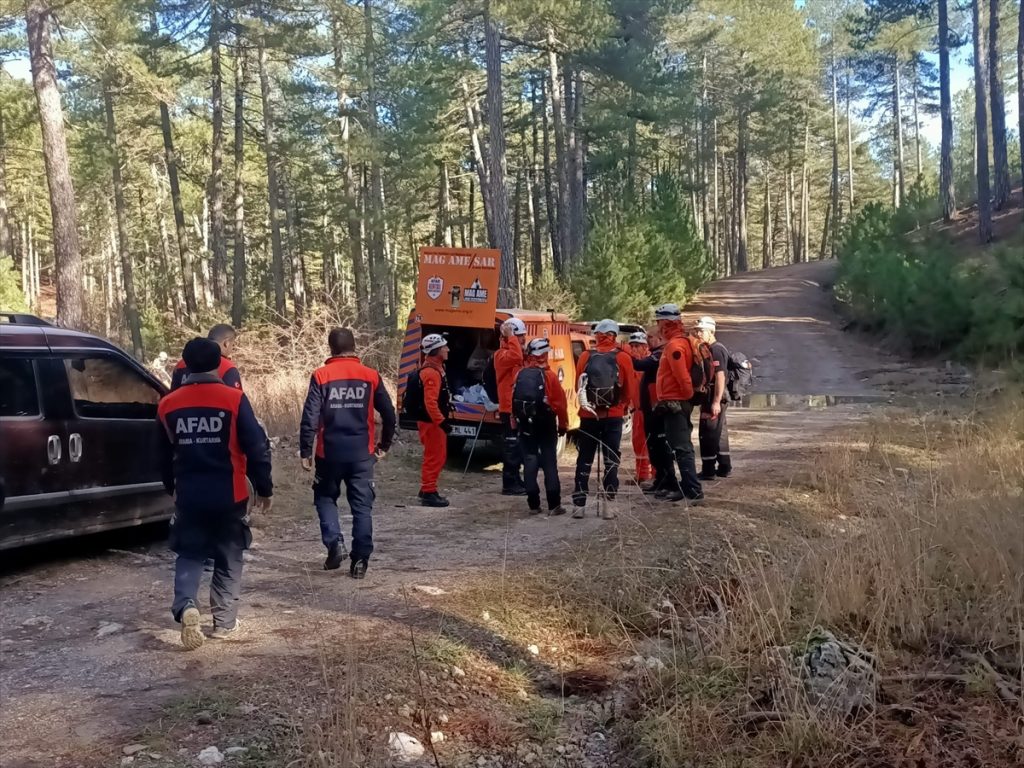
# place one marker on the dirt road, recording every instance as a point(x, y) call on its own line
point(88, 653)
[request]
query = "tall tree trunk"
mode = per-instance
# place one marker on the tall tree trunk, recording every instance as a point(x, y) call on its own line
point(66, 252)
point(947, 187)
point(473, 124)
point(550, 191)
point(805, 202)
point(185, 262)
point(294, 256)
point(175, 286)
point(1001, 163)
point(6, 240)
point(360, 282)
point(273, 181)
point(899, 188)
point(704, 154)
point(787, 193)
point(849, 138)
point(835, 156)
point(218, 238)
point(742, 261)
point(766, 230)
point(825, 232)
point(374, 204)
point(443, 231)
point(1020, 92)
point(981, 126)
point(536, 230)
point(508, 291)
point(716, 232)
point(238, 270)
point(517, 213)
point(561, 145)
point(578, 185)
point(131, 310)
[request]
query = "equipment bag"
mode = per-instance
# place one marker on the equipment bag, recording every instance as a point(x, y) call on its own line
point(740, 376)
point(529, 394)
point(702, 370)
point(412, 400)
point(490, 380)
point(603, 379)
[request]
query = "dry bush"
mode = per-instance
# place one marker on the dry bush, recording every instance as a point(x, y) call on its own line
point(277, 361)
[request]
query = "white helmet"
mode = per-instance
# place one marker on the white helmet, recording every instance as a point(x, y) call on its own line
point(518, 326)
point(668, 312)
point(538, 347)
point(638, 337)
point(432, 342)
point(607, 326)
point(706, 323)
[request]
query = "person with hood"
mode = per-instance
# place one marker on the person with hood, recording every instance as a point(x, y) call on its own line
point(508, 361)
point(638, 350)
point(653, 419)
point(433, 418)
point(338, 417)
point(210, 443)
point(675, 396)
point(540, 415)
point(606, 384)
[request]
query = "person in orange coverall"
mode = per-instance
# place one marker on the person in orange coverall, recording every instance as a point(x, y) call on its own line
point(638, 350)
point(508, 361)
point(433, 422)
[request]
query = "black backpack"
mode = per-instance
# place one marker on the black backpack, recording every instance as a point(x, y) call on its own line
point(412, 400)
point(740, 376)
point(529, 395)
point(490, 380)
point(603, 379)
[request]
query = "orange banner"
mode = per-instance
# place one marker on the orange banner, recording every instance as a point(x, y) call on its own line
point(458, 286)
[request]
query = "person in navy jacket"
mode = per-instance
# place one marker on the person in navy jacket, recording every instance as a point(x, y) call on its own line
point(225, 336)
point(338, 418)
point(210, 443)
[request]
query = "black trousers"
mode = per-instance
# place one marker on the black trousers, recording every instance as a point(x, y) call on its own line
point(512, 455)
point(360, 491)
point(593, 434)
point(714, 443)
point(657, 449)
point(679, 431)
point(538, 442)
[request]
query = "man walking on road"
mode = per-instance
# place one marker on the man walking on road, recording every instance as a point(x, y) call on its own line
point(210, 442)
point(540, 414)
point(675, 395)
point(430, 405)
point(713, 431)
point(606, 383)
point(224, 336)
point(338, 418)
point(508, 361)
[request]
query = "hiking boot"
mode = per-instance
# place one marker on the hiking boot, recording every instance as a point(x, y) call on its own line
point(695, 501)
point(579, 512)
point(358, 568)
point(708, 477)
point(191, 635)
point(335, 557)
point(722, 473)
point(672, 496)
point(661, 493)
point(557, 511)
point(224, 633)
point(514, 490)
point(651, 489)
point(534, 510)
point(433, 499)
point(707, 471)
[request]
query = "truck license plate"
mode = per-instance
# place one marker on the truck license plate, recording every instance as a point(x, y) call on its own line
point(460, 430)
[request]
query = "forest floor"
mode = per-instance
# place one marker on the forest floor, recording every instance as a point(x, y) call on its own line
point(478, 624)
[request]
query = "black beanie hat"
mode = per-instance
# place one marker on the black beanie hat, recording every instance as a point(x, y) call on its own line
point(201, 355)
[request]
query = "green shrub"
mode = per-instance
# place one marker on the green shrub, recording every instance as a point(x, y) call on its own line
point(11, 297)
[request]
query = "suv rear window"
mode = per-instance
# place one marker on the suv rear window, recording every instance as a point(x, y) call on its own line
point(106, 388)
point(18, 393)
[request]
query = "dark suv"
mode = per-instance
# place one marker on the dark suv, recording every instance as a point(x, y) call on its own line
point(78, 439)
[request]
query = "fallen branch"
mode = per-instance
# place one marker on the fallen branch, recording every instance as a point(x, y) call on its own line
point(1008, 692)
point(927, 677)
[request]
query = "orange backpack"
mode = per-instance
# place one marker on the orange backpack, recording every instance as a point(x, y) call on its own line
point(702, 369)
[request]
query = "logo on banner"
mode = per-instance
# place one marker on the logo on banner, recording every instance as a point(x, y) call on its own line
point(435, 287)
point(476, 293)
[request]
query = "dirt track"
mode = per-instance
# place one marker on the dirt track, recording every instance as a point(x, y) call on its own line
point(75, 688)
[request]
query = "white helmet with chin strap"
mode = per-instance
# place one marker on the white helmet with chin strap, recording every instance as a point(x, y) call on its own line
point(432, 342)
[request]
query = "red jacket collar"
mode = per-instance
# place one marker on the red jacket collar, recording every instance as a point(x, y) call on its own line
point(433, 362)
point(340, 358)
point(674, 331)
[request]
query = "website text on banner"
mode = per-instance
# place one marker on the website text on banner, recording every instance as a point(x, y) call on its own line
point(458, 286)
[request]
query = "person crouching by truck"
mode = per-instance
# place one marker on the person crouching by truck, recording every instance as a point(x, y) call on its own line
point(210, 441)
point(716, 461)
point(428, 401)
point(338, 416)
point(508, 361)
point(638, 350)
point(540, 416)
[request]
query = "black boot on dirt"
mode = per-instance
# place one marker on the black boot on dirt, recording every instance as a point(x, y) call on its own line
point(358, 568)
point(651, 489)
point(694, 501)
point(514, 490)
point(707, 471)
point(434, 499)
point(557, 511)
point(673, 496)
point(724, 466)
point(335, 557)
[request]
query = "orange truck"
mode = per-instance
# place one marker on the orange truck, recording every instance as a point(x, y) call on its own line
point(456, 296)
